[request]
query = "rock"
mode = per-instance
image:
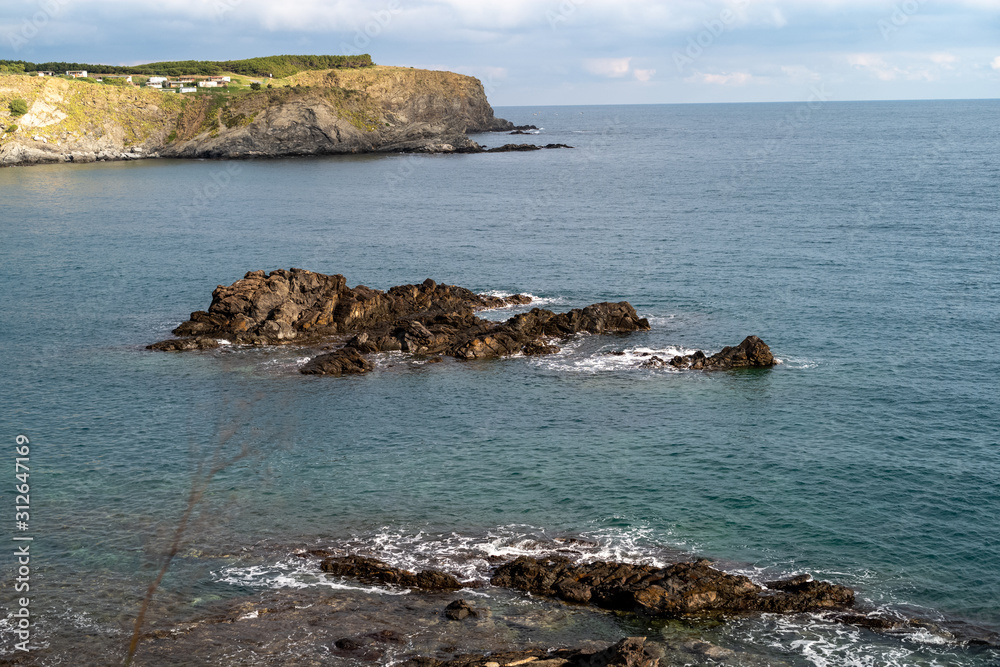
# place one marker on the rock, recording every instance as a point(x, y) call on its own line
point(185, 344)
point(428, 319)
point(708, 650)
point(514, 148)
point(683, 588)
point(751, 353)
point(460, 609)
point(345, 361)
point(372, 571)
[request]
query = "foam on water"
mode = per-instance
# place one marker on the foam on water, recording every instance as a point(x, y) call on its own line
point(823, 643)
point(536, 301)
point(608, 359)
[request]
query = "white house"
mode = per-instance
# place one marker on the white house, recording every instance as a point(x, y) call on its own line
point(46, 74)
point(78, 74)
point(219, 79)
point(208, 84)
point(186, 89)
point(156, 80)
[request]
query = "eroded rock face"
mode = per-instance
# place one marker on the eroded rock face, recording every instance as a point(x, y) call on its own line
point(373, 571)
point(683, 588)
point(751, 353)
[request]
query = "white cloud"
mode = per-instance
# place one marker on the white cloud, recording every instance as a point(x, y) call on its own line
point(644, 74)
point(944, 59)
point(875, 65)
point(996, 63)
point(724, 79)
point(614, 68)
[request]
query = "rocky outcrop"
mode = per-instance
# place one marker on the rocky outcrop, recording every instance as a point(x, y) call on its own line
point(282, 306)
point(683, 588)
point(372, 571)
point(629, 652)
point(427, 319)
point(751, 353)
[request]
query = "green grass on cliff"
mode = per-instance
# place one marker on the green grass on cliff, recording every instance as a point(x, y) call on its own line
point(276, 66)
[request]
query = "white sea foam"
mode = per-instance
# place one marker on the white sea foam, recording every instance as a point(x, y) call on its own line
point(536, 301)
point(609, 360)
point(291, 573)
point(825, 643)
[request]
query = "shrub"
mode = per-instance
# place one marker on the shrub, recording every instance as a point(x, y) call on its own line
point(255, 86)
point(18, 107)
point(115, 82)
point(12, 129)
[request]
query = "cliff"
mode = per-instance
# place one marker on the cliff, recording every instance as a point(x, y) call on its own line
point(374, 109)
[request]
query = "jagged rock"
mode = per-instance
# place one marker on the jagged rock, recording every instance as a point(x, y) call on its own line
point(751, 353)
point(428, 319)
point(346, 361)
point(683, 588)
point(272, 308)
point(372, 571)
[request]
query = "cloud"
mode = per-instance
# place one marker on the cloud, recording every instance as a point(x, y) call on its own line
point(996, 63)
point(614, 68)
point(875, 65)
point(732, 79)
point(644, 74)
point(944, 59)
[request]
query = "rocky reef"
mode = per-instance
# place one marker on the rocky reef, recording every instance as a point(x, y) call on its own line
point(426, 319)
point(677, 590)
point(751, 353)
point(682, 588)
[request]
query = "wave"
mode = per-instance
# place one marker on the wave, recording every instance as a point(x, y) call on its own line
point(610, 360)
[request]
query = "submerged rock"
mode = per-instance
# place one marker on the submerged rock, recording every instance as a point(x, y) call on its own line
point(373, 571)
point(629, 652)
point(683, 588)
point(751, 353)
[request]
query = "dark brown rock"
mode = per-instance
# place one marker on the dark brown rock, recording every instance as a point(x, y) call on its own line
point(372, 571)
point(683, 588)
point(428, 319)
point(299, 305)
point(185, 344)
point(751, 353)
point(460, 609)
point(346, 361)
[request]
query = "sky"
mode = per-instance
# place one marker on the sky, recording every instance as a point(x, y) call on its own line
point(560, 51)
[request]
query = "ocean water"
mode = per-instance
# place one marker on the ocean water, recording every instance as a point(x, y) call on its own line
point(861, 241)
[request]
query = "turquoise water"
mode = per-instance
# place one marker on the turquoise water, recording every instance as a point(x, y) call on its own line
point(860, 241)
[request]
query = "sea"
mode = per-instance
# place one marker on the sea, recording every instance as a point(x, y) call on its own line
point(860, 241)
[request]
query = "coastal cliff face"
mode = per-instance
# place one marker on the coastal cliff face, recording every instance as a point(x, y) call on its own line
point(375, 109)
